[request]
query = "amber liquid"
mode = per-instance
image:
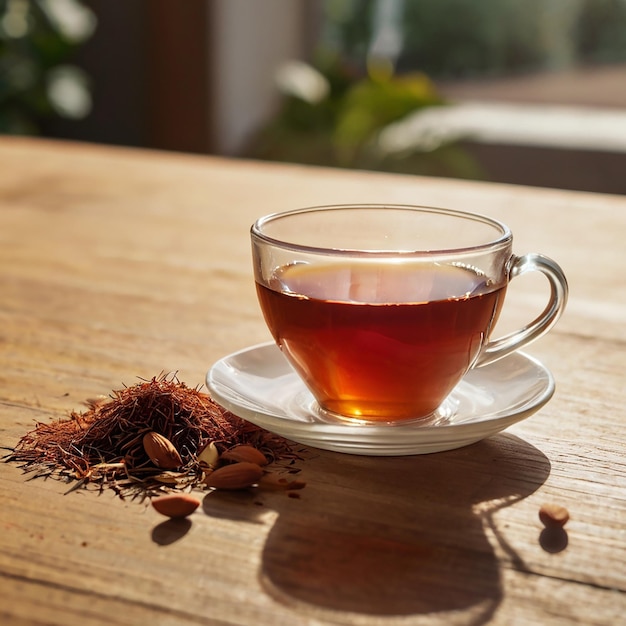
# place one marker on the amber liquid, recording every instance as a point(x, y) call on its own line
point(376, 344)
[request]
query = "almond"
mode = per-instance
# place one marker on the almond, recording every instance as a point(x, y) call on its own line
point(176, 504)
point(245, 454)
point(236, 476)
point(161, 451)
point(553, 515)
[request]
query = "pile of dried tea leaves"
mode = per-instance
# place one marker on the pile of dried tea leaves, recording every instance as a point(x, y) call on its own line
point(103, 447)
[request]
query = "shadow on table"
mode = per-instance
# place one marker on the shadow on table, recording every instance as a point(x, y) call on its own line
point(400, 536)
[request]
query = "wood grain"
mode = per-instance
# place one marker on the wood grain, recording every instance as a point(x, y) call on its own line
point(117, 264)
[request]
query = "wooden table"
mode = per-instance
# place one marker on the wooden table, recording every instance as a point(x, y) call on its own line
point(119, 264)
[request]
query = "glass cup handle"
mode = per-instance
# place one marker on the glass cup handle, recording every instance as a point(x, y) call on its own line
point(498, 348)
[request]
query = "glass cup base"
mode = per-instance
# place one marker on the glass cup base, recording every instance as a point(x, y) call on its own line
point(438, 417)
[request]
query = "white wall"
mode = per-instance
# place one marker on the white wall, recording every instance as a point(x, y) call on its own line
point(250, 39)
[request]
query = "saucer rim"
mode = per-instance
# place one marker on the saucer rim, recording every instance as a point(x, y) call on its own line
point(437, 437)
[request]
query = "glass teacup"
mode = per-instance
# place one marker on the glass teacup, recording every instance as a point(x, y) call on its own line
point(382, 309)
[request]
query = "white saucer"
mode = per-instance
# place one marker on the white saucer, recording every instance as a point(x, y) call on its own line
point(260, 386)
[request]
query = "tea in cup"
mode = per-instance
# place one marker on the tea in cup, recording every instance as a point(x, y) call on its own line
point(382, 309)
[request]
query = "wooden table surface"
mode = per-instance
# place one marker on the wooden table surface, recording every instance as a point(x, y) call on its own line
point(119, 264)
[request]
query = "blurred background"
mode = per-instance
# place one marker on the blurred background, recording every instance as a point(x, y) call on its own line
point(519, 91)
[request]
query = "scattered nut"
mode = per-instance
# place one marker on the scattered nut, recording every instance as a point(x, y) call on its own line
point(243, 453)
point(209, 456)
point(553, 515)
point(176, 504)
point(161, 451)
point(296, 484)
point(236, 476)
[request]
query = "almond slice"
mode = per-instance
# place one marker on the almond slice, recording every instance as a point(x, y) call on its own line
point(209, 456)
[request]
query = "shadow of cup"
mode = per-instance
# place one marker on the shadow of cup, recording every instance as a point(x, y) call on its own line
point(397, 536)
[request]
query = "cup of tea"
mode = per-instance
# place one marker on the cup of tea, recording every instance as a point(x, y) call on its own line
point(382, 309)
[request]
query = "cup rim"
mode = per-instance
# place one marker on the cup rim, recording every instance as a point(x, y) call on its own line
point(505, 238)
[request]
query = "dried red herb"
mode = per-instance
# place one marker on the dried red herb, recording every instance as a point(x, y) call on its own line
point(103, 446)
